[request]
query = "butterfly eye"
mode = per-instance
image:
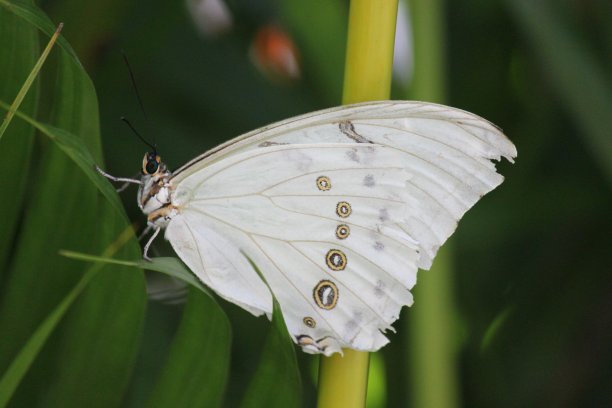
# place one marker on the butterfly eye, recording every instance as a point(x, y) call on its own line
point(151, 167)
point(150, 164)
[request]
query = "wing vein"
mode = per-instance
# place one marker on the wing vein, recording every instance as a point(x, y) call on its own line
point(266, 151)
point(328, 171)
point(199, 210)
point(200, 258)
point(336, 278)
point(251, 237)
point(335, 244)
point(290, 242)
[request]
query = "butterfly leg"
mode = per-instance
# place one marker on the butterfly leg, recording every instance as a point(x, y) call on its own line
point(146, 248)
point(126, 181)
point(145, 232)
point(123, 187)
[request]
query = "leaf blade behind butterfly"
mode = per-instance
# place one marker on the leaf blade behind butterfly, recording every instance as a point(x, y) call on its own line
point(276, 382)
point(197, 367)
point(166, 265)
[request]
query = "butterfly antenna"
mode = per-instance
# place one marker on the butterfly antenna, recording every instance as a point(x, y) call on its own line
point(142, 109)
point(145, 141)
point(134, 86)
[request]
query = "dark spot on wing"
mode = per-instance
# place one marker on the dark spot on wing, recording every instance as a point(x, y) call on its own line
point(383, 214)
point(369, 181)
point(268, 144)
point(379, 290)
point(352, 155)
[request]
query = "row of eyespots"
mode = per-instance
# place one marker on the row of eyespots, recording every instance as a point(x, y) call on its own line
point(325, 293)
point(336, 259)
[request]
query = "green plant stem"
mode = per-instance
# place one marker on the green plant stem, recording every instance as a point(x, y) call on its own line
point(369, 50)
point(432, 356)
point(369, 59)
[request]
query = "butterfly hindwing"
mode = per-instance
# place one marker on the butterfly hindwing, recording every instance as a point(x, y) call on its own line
point(323, 229)
point(215, 258)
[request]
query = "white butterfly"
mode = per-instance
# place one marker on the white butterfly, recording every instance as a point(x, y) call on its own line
point(338, 209)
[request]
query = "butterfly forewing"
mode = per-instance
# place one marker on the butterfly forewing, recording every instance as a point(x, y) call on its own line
point(338, 209)
point(463, 130)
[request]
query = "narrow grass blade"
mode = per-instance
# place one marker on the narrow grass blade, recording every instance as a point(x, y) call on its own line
point(169, 266)
point(29, 81)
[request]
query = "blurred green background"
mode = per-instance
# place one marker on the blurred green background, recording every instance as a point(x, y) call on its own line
point(531, 309)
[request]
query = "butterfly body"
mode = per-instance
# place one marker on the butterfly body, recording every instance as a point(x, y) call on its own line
point(338, 209)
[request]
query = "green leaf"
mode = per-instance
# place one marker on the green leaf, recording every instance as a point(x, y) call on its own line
point(169, 266)
point(185, 380)
point(29, 12)
point(76, 150)
point(22, 362)
point(277, 381)
point(89, 357)
point(197, 367)
point(196, 370)
point(21, 55)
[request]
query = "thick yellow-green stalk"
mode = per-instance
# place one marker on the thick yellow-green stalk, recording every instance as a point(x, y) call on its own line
point(369, 50)
point(343, 380)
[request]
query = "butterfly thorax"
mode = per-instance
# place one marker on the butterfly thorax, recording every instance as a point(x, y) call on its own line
point(155, 193)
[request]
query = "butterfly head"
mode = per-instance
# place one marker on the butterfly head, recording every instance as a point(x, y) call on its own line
point(155, 192)
point(152, 164)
